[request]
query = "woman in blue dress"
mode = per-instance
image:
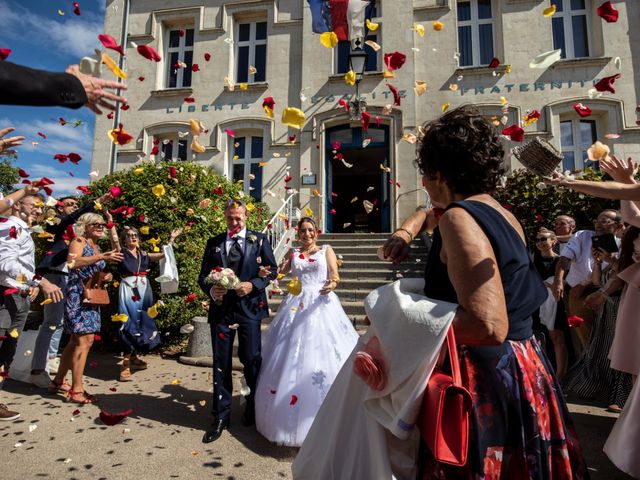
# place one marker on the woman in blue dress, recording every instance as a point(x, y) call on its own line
point(82, 321)
point(139, 333)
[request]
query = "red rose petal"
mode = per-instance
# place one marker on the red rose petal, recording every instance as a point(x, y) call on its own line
point(607, 12)
point(4, 53)
point(74, 158)
point(189, 100)
point(148, 52)
point(396, 94)
point(114, 418)
point(76, 8)
point(394, 60)
point(109, 42)
point(494, 63)
point(207, 57)
point(582, 110)
point(606, 84)
point(514, 132)
point(22, 173)
point(294, 400)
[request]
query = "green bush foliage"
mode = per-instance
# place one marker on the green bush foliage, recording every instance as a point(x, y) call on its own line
point(537, 205)
point(194, 199)
point(8, 174)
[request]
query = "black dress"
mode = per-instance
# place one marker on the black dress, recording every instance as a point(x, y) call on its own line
point(520, 426)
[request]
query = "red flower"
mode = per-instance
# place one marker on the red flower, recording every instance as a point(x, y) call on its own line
point(396, 94)
point(148, 52)
point(4, 53)
point(332, 211)
point(394, 60)
point(370, 366)
point(514, 132)
point(115, 191)
point(294, 400)
point(155, 150)
point(218, 190)
point(606, 84)
point(118, 210)
point(575, 320)
point(84, 189)
point(582, 110)
point(13, 232)
point(112, 419)
point(607, 12)
point(189, 298)
point(109, 42)
point(173, 173)
point(366, 118)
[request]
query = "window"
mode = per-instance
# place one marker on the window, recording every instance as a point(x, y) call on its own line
point(373, 58)
point(179, 51)
point(172, 148)
point(475, 33)
point(576, 136)
point(251, 52)
point(245, 166)
point(571, 28)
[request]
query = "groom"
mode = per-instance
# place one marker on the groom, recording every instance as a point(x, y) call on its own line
point(245, 252)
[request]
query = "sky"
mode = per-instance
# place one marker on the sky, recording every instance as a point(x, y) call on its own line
point(42, 38)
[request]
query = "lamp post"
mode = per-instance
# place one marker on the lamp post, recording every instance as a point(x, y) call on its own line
point(357, 63)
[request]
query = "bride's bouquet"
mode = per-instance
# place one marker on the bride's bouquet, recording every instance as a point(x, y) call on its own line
point(223, 277)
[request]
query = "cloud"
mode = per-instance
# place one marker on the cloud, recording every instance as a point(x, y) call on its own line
point(60, 139)
point(64, 183)
point(71, 35)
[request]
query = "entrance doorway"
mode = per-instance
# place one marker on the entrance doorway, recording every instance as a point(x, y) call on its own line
point(354, 175)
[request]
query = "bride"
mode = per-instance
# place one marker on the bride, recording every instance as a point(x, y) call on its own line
point(306, 344)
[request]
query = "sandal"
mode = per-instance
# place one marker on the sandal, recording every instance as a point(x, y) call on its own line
point(125, 374)
point(614, 408)
point(62, 387)
point(138, 364)
point(81, 397)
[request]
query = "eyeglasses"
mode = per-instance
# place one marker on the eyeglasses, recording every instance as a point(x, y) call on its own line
point(606, 221)
point(97, 225)
point(70, 204)
point(131, 235)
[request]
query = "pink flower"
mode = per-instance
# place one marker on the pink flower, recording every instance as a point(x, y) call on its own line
point(370, 365)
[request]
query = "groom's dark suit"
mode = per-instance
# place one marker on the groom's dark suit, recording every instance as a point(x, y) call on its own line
point(245, 312)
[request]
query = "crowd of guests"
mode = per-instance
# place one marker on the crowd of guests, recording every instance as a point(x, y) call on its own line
point(72, 264)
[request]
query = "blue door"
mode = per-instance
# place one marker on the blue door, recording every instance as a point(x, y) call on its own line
point(357, 186)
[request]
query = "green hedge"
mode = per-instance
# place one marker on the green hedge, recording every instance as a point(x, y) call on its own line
point(537, 205)
point(186, 187)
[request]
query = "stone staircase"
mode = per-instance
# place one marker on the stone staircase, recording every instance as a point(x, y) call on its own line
point(362, 270)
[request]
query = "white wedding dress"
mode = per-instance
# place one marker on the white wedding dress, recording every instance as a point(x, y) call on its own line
point(303, 349)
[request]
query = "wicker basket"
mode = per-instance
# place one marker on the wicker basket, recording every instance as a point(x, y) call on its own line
point(538, 156)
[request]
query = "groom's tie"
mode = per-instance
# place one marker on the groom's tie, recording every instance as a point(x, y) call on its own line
point(234, 258)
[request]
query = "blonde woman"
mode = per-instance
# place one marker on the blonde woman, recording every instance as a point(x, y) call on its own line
point(82, 321)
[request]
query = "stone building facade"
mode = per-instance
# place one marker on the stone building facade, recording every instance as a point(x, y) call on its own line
point(266, 48)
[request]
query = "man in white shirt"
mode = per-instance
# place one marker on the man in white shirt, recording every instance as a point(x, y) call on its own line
point(19, 284)
point(577, 258)
point(564, 227)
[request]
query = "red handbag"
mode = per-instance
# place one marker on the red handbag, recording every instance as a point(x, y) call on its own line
point(444, 415)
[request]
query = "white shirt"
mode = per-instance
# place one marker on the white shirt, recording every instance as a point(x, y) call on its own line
point(578, 250)
point(241, 239)
point(17, 255)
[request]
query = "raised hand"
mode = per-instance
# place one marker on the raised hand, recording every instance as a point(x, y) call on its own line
point(94, 88)
point(6, 144)
point(620, 171)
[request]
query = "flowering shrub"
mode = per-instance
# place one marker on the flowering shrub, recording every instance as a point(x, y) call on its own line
point(537, 205)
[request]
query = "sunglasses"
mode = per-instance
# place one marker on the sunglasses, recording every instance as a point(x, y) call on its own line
point(542, 239)
point(98, 225)
point(131, 235)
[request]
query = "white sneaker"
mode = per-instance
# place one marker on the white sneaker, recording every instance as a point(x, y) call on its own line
point(53, 364)
point(42, 380)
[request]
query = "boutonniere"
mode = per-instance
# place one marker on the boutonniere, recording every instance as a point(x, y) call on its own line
point(217, 249)
point(252, 238)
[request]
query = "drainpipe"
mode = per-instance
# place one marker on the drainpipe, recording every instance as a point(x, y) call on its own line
point(121, 64)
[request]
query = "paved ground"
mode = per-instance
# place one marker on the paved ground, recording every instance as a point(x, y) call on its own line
point(161, 438)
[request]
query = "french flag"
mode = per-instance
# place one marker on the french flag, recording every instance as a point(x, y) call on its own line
point(346, 18)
